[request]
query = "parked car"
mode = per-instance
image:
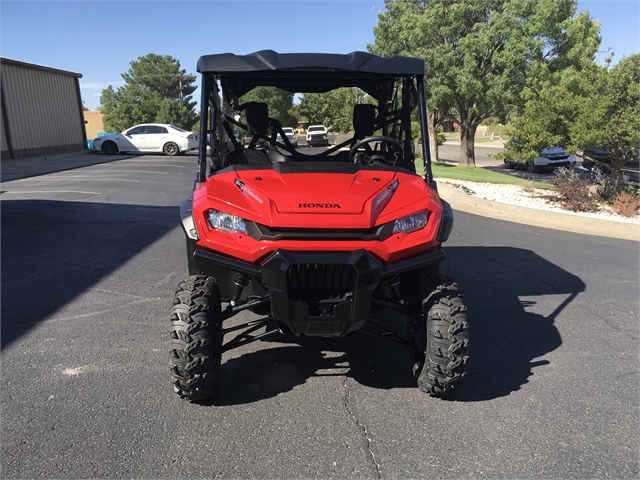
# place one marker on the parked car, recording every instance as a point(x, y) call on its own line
point(591, 155)
point(291, 135)
point(548, 160)
point(150, 137)
point(317, 135)
point(593, 158)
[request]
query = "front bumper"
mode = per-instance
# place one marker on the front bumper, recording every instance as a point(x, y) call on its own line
point(543, 162)
point(318, 140)
point(317, 293)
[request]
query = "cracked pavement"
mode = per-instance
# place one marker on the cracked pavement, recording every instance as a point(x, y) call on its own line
point(552, 388)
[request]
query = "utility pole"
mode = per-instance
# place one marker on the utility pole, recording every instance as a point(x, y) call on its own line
point(603, 51)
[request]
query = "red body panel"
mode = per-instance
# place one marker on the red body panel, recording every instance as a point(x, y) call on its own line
point(324, 201)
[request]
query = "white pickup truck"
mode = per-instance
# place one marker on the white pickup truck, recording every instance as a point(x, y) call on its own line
point(317, 135)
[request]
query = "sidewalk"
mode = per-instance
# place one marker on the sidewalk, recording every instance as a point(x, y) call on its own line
point(497, 143)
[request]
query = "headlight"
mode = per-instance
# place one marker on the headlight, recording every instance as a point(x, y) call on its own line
point(225, 222)
point(411, 223)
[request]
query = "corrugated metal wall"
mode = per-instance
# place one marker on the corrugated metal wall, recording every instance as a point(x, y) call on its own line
point(41, 110)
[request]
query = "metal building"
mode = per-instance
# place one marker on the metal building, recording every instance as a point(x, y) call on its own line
point(41, 110)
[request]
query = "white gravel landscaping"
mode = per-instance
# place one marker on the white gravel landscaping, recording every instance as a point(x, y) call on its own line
point(535, 198)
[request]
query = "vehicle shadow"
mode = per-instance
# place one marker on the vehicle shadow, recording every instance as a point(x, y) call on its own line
point(273, 370)
point(508, 342)
point(53, 251)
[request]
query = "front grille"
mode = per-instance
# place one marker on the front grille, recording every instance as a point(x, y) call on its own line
point(317, 137)
point(312, 283)
point(261, 233)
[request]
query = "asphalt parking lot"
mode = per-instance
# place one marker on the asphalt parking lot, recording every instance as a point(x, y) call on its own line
point(92, 253)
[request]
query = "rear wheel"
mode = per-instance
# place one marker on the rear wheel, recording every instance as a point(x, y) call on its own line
point(441, 340)
point(196, 338)
point(171, 149)
point(109, 148)
point(597, 175)
point(531, 168)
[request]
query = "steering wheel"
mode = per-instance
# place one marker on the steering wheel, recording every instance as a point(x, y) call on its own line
point(395, 147)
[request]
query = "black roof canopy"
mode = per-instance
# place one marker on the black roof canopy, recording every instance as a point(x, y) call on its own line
point(308, 72)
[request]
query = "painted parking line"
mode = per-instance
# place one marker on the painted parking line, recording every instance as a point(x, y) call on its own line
point(89, 178)
point(32, 192)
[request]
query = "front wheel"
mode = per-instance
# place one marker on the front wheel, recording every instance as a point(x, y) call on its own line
point(196, 338)
point(109, 148)
point(441, 341)
point(597, 175)
point(531, 168)
point(171, 149)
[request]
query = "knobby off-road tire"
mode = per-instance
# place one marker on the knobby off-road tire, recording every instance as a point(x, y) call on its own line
point(196, 338)
point(441, 341)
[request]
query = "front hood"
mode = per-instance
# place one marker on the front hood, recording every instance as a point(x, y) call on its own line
point(111, 136)
point(554, 153)
point(362, 199)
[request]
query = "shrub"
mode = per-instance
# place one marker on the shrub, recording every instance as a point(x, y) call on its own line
point(626, 204)
point(574, 191)
point(606, 185)
point(528, 186)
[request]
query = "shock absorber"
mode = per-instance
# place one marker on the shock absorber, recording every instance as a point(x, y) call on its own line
point(393, 283)
point(240, 282)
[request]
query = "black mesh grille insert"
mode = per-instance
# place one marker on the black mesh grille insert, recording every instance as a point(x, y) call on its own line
point(313, 283)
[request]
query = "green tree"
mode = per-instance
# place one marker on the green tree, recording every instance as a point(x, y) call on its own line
point(155, 90)
point(334, 108)
point(592, 107)
point(481, 55)
point(609, 116)
point(545, 121)
point(279, 102)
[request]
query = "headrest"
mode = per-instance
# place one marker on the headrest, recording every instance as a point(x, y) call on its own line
point(257, 115)
point(364, 119)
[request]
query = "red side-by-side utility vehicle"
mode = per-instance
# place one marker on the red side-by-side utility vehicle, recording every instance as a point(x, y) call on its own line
point(323, 241)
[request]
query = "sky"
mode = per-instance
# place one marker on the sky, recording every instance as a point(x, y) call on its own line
point(99, 39)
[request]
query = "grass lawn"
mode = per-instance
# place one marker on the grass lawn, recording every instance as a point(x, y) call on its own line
point(476, 174)
point(486, 139)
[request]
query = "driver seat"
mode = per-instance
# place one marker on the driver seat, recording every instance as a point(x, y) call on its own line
point(364, 121)
point(257, 117)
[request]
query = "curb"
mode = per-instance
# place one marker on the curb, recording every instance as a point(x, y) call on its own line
point(537, 218)
point(493, 144)
point(26, 167)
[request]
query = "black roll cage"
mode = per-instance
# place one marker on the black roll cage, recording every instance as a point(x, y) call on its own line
point(301, 72)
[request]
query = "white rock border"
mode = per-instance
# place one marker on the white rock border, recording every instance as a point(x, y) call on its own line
point(536, 198)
